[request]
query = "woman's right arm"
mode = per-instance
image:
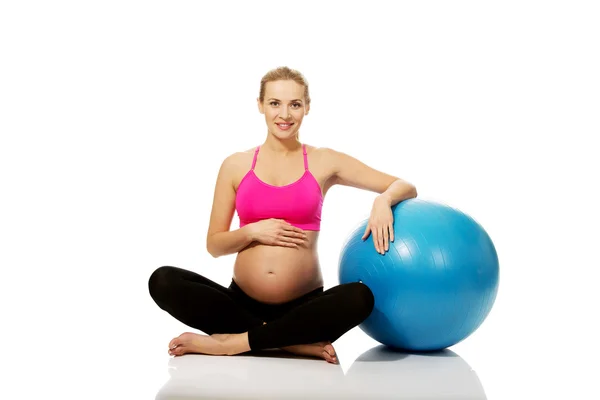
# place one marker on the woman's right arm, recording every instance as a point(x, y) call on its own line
point(220, 240)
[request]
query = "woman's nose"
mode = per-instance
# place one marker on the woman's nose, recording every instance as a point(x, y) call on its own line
point(285, 114)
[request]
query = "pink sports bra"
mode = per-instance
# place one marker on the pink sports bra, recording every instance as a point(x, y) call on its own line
point(299, 203)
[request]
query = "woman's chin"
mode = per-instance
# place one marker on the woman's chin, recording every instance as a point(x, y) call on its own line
point(284, 135)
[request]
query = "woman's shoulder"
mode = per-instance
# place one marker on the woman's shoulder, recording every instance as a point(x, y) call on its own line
point(239, 158)
point(235, 165)
point(320, 152)
point(317, 149)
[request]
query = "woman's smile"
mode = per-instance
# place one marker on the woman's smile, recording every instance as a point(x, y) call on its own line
point(284, 127)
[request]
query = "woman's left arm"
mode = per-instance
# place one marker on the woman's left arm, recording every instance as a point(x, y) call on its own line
point(349, 171)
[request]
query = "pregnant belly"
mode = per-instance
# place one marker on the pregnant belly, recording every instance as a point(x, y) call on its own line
point(275, 274)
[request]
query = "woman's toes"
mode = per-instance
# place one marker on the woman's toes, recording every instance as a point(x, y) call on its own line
point(330, 353)
point(174, 342)
point(329, 349)
point(178, 351)
point(329, 358)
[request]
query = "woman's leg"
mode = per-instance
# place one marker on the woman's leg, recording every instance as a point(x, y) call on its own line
point(324, 317)
point(200, 302)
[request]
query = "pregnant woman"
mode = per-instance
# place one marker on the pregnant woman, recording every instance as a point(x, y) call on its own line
point(276, 298)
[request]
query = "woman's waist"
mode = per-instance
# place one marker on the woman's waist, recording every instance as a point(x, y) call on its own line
point(265, 255)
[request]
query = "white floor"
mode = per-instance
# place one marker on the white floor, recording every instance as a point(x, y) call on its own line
point(500, 361)
point(378, 373)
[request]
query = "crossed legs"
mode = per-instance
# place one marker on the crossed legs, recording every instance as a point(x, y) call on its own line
point(205, 305)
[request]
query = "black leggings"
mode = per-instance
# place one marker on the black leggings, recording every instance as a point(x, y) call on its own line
point(207, 306)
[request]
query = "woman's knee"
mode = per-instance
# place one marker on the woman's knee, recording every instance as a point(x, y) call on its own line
point(160, 281)
point(363, 299)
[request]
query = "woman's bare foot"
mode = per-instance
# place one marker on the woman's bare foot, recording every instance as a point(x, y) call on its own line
point(189, 342)
point(323, 350)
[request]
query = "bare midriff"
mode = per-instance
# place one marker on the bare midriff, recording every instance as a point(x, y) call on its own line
point(277, 274)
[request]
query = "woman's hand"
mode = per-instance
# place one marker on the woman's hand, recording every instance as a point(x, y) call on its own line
point(277, 232)
point(381, 225)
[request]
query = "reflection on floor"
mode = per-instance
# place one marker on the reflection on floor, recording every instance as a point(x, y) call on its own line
point(378, 373)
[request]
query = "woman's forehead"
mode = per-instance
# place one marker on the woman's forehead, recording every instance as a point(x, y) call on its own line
point(284, 90)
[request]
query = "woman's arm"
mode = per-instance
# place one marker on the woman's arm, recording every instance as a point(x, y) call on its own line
point(392, 190)
point(230, 242)
point(220, 240)
point(398, 191)
point(349, 171)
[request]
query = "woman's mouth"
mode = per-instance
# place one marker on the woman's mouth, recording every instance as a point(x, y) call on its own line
point(284, 127)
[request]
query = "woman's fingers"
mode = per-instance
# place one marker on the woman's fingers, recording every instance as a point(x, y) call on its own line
point(380, 239)
point(366, 233)
point(288, 239)
point(375, 233)
point(292, 228)
point(292, 231)
point(290, 235)
point(382, 236)
point(296, 240)
point(385, 233)
point(286, 244)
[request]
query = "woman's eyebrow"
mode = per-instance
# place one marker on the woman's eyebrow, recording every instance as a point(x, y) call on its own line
point(272, 98)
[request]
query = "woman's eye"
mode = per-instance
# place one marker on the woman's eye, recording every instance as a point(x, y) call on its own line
point(295, 104)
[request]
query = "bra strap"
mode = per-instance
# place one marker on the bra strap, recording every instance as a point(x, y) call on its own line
point(255, 155)
point(305, 159)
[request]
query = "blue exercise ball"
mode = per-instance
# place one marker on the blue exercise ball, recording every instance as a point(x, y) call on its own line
point(435, 285)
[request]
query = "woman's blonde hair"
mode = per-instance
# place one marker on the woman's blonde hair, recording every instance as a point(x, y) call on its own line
point(283, 74)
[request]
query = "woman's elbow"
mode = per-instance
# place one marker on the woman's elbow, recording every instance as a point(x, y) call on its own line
point(211, 248)
point(414, 192)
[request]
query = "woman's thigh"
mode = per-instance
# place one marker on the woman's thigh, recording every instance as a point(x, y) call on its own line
point(201, 303)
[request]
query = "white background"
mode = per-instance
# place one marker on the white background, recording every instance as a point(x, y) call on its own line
point(116, 115)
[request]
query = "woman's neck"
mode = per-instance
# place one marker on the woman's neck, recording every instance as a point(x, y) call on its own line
point(282, 147)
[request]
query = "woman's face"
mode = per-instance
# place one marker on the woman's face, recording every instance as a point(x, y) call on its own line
point(284, 104)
